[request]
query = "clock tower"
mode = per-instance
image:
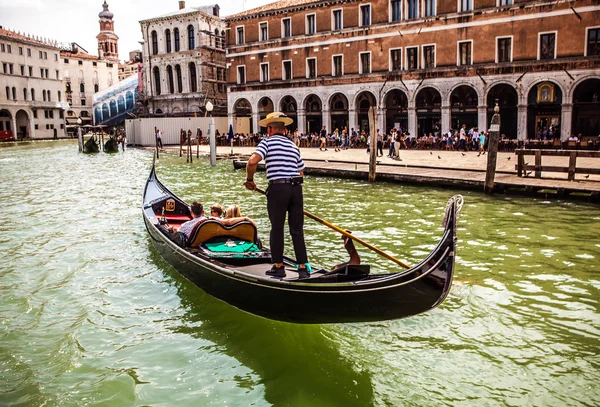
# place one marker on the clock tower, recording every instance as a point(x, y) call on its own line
point(108, 47)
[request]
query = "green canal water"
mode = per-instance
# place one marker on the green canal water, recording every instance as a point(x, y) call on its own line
point(90, 314)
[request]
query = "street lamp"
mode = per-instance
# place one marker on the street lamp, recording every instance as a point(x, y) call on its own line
point(211, 134)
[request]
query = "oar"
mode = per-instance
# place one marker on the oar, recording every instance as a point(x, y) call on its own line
point(349, 235)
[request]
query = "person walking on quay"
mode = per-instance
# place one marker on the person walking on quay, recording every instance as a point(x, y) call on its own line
point(159, 138)
point(323, 146)
point(462, 142)
point(379, 144)
point(285, 172)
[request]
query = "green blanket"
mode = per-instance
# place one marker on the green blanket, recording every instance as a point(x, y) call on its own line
point(232, 246)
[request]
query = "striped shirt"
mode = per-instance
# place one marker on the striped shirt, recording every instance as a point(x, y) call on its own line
point(188, 226)
point(282, 157)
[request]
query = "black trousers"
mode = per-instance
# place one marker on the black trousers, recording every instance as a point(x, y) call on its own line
point(281, 200)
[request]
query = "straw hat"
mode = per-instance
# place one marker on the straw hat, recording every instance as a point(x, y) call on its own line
point(276, 117)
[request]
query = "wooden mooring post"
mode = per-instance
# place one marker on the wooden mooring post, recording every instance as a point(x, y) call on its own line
point(156, 141)
point(490, 172)
point(372, 143)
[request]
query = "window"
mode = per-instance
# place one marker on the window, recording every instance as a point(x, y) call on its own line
point(41, 72)
point(49, 97)
point(241, 75)
point(82, 87)
point(14, 93)
point(24, 93)
point(179, 78)
point(59, 96)
point(336, 20)
point(365, 15)
point(311, 24)
point(396, 59)
point(156, 80)
point(286, 27)
point(264, 72)
point(593, 42)
point(170, 79)
point(396, 10)
point(66, 61)
point(191, 37)
point(240, 36)
point(428, 56)
point(10, 69)
point(413, 8)
point(365, 62)
point(154, 43)
point(429, 8)
point(412, 58)
point(96, 88)
point(21, 53)
point(287, 71)
point(168, 39)
point(311, 68)
point(41, 54)
point(80, 62)
point(28, 52)
point(94, 64)
point(2, 48)
point(504, 49)
point(465, 53)
point(57, 74)
point(30, 71)
point(505, 2)
point(547, 47)
point(176, 37)
point(32, 94)
point(22, 70)
point(263, 33)
point(45, 55)
point(8, 48)
point(7, 93)
point(35, 114)
point(338, 65)
point(466, 5)
point(193, 78)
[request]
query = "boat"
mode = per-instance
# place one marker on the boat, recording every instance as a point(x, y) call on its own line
point(91, 145)
point(111, 145)
point(229, 263)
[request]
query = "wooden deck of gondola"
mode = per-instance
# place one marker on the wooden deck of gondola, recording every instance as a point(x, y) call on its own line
point(505, 181)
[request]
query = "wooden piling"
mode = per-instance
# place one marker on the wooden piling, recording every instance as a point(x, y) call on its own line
point(373, 143)
point(156, 141)
point(490, 172)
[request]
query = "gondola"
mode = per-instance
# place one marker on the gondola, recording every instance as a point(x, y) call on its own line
point(229, 263)
point(91, 145)
point(111, 145)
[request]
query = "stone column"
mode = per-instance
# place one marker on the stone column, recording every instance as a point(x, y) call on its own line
point(482, 118)
point(301, 119)
point(521, 122)
point(255, 120)
point(13, 124)
point(566, 121)
point(412, 120)
point(352, 120)
point(381, 120)
point(446, 119)
point(326, 119)
point(32, 128)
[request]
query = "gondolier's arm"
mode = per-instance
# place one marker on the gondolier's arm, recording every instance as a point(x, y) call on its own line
point(251, 167)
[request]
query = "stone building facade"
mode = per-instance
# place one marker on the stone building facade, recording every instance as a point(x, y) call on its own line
point(184, 61)
point(32, 96)
point(427, 65)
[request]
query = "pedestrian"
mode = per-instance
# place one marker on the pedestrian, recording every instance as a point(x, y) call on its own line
point(379, 143)
point(285, 172)
point(159, 138)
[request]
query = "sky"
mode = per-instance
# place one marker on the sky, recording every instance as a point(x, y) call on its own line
point(69, 21)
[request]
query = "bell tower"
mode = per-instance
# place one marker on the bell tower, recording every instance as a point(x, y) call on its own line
point(108, 41)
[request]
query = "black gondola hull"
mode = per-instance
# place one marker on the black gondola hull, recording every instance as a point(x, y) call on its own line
point(319, 299)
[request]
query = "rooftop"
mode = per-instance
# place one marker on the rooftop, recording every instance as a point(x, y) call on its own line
point(187, 10)
point(272, 6)
point(27, 38)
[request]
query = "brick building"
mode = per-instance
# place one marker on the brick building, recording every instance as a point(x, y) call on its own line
point(425, 64)
point(184, 61)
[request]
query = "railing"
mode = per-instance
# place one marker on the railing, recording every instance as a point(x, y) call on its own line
point(522, 167)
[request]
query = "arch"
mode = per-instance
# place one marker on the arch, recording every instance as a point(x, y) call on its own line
point(193, 77)
point(396, 110)
point(170, 79)
point(586, 105)
point(265, 106)
point(178, 78)
point(154, 39)
point(363, 102)
point(83, 113)
point(22, 123)
point(338, 111)
point(5, 125)
point(97, 116)
point(168, 39)
point(463, 107)
point(156, 73)
point(121, 103)
point(48, 94)
point(544, 110)
point(289, 106)
point(428, 101)
point(82, 87)
point(105, 111)
point(508, 100)
point(113, 108)
point(313, 108)
point(129, 100)
point(158, 111)
point(242, 108)
point(43, 95)
point(191, 37)
point(176, 40)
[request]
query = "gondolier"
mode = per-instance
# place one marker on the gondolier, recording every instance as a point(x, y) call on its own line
point(285, 172)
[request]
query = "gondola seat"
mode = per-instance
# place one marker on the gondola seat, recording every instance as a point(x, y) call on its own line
point(211, 229)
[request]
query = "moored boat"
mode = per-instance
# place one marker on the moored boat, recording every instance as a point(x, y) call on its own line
point(111, 145)
point(91, 145)
point(229, 263)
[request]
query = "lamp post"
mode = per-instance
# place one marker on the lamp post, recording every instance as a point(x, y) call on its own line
point(79, 135)
point(211, 134)
point(492, 151)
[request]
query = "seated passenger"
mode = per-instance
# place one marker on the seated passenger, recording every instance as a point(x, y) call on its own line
point(216, 211)
point(197, 211)
point(233, 212)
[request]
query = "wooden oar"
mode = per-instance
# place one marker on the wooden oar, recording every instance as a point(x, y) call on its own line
point(349, 235)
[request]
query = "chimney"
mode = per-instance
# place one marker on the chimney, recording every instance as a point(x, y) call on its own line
point(181, 5)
